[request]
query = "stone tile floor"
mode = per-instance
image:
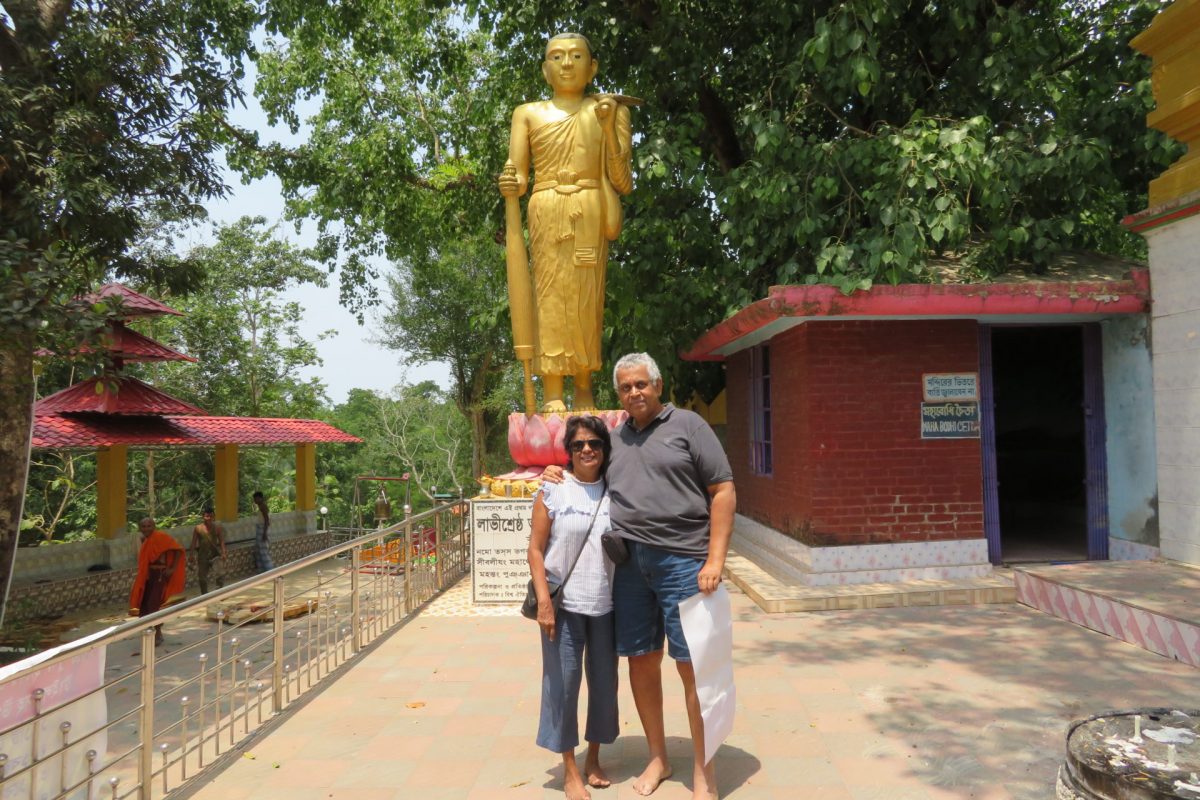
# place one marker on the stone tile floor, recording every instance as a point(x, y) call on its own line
point(916, 703)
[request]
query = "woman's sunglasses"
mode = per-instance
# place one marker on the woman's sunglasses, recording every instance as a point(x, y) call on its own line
point(596, 445)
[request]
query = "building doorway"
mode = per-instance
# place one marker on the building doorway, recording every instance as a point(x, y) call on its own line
point(1039, 442)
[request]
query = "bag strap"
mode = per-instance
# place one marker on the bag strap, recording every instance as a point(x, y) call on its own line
point(586, 534)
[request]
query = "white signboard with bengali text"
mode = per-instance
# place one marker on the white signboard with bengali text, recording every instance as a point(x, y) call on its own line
point(499, 539)
point(952, 387)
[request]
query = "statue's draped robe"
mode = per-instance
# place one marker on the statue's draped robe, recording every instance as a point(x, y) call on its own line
point(568, 246)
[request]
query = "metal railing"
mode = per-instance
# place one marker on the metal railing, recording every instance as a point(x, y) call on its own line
point(109, 717)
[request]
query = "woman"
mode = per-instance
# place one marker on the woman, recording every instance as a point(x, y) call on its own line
point(568, 519)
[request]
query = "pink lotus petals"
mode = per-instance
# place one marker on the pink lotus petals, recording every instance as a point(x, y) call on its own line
point(537, 441)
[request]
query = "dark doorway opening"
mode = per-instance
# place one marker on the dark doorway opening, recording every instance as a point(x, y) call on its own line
point(1041, 461)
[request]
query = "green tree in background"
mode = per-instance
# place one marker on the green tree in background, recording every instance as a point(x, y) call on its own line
point(417, 430)
point(842, 141)
point(106, 109)
point(244, 334)
point(449, 305)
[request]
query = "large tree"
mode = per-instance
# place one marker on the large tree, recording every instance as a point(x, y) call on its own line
point(106, 109)
point(839, 141)
point(395, 168)
point(241, 329)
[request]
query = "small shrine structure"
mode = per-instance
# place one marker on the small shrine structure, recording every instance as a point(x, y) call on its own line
point(111, 413)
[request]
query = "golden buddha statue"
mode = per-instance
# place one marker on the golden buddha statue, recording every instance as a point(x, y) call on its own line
point(581, 151)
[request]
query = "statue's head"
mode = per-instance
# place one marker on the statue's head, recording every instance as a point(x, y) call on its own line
point(569, 64)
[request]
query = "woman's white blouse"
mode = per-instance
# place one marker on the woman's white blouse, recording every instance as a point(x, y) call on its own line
point(571, 504)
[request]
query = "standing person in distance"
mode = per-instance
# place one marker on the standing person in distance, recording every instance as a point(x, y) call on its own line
point(262, 546)
point(208, 543)
point(161, 575)
point(568, 519)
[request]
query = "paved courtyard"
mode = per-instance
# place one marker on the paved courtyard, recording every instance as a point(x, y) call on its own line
point(925, 703)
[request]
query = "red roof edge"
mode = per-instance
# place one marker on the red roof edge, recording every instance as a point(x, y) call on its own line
point(1131, 296)
point(133, 304)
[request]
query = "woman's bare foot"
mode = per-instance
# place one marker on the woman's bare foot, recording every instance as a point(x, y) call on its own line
point(597, 778)
point(657, 771)
point(574, 789)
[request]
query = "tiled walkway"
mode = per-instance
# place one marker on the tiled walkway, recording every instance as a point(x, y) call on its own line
point(896, 704)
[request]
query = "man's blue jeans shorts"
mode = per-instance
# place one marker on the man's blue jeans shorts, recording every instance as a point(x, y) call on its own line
point(647, 591)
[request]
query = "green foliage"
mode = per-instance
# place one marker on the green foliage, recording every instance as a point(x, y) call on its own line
point(243, 333)
point(449, 305)
point(845, 142)
point(106, 112)
point(416, 430)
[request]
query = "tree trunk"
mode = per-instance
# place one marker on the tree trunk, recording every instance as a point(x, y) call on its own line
point(151, 498)
point(16, 428)
point(478, 440)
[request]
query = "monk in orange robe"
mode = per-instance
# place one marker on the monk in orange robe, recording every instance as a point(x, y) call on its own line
point(162, 573)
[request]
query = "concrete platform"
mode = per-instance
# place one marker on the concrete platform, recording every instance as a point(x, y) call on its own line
point(774, 595)
point(916, 703)
point(1154, 605)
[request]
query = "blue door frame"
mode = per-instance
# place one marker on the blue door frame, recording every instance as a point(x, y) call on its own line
point(1094, 444)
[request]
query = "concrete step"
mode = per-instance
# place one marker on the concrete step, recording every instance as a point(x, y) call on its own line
point(1154, 605)
point(774, 595)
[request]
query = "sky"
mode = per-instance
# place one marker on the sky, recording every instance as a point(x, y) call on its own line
point(351, 360)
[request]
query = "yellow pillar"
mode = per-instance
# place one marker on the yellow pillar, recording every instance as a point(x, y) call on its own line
point(1173, 43)
point(306, 477)
point(111, 489)
point(226, 483)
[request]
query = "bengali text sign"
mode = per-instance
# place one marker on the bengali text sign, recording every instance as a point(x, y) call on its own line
point(949, 420)
point(943, 387)
point(499, 539)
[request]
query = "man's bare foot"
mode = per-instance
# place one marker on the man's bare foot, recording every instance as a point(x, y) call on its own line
point(657, 771)
point(596, 776)
point(704, 783)
point(574, 789)
point(554, 407)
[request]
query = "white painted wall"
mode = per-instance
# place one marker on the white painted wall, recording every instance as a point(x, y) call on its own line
point(1175, 327)
point(1129, 423)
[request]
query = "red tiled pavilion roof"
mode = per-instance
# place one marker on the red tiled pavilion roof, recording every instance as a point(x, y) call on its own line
point(90, 431)
point(96, 395)
point(133, 304)
point(129, 345)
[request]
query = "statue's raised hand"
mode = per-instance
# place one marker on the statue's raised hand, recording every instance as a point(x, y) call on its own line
point(606, 112)
point(508, 183)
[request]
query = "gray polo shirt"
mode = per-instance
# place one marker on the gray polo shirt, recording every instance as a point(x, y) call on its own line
point(659, 477)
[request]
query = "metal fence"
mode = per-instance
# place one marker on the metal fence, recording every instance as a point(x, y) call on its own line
point(109, 717)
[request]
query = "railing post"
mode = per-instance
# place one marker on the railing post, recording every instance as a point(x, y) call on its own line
point(277, 648)
point(146, 723)
point(437, 547)
point(408, 561)
point(355, 600)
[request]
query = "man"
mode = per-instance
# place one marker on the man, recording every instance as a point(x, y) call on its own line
point(208, 543)
point(161, 575)
point(581, 149)
point(262, 547)
point(672, 500)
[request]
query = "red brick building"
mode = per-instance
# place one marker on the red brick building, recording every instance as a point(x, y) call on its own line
point(927, 430)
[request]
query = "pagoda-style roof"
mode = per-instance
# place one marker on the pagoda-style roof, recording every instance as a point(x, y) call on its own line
point(123, 343)
point(118, 410)
point(124, 396)
point(133, 304)
point(91, 431)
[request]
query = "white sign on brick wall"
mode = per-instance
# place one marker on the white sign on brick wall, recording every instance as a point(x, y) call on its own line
point(955, 387)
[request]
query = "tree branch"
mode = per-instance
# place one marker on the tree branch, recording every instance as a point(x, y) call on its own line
point(725, 144)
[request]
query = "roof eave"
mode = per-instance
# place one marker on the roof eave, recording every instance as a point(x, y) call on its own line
point(799, 304)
